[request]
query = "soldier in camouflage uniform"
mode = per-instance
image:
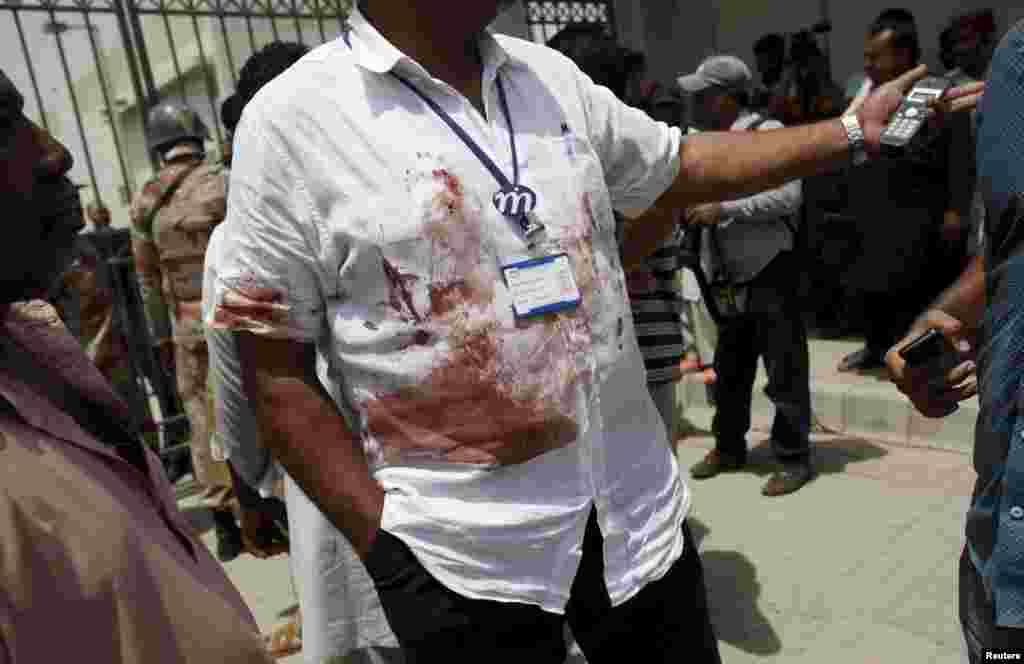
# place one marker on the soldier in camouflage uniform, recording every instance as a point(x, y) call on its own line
point(172, 219)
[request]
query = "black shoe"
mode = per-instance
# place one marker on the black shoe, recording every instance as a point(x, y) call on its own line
point(177, 462)
point(714, 463)
point(791, 478)
point(862, 360)
point(229, 536)
point(269, 536)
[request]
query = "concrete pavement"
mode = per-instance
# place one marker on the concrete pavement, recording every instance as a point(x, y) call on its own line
point(859, 566)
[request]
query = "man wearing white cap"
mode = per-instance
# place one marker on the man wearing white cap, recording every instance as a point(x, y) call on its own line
point(747, 251)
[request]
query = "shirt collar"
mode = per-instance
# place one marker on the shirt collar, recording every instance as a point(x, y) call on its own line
point(375, 53)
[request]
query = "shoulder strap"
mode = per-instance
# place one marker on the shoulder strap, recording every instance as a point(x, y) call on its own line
point(720, 266)
point(168, 192)
point(704, 282)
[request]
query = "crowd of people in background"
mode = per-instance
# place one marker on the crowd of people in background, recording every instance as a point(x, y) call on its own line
point(315, 340)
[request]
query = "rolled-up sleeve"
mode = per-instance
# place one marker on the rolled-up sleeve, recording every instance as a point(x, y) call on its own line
point(269, 280)
point(640, 156)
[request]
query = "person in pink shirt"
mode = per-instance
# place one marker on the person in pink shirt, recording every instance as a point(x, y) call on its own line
point(96, 562)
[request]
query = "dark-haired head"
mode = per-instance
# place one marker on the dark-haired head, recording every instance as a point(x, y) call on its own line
point(892, 47)
point(266, 64)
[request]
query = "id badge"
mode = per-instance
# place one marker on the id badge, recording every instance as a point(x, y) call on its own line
point(541, 286)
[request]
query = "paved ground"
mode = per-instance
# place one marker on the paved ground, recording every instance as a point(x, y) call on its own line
point(858, 567)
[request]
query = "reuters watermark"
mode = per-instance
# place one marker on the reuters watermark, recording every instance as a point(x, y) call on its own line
point(1003, 656)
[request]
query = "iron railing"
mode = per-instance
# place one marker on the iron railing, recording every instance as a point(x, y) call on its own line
point(545, 17)
point(117, 65)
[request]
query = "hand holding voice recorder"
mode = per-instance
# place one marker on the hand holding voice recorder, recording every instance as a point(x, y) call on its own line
point(912, 114)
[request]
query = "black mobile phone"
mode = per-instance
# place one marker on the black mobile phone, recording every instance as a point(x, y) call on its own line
point(933, 354)
point(928, 347)
point(912, 113)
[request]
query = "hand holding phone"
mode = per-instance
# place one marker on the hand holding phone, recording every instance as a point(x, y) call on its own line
point(912, 114)
point(932, 353)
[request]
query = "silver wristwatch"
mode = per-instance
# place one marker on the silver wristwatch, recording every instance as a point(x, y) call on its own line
point(854, 134)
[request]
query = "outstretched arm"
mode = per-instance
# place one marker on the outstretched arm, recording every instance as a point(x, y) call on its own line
point(718, 166)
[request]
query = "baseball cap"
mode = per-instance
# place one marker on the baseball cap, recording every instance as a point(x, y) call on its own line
point(719, 71)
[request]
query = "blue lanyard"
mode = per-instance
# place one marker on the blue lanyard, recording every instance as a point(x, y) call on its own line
point(507, 188)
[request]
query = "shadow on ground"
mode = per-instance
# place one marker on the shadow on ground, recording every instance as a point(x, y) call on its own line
point(733, 591)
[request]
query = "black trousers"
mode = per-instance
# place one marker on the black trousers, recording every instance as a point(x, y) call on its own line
point(774, 331)
point(977, 617)
point(667, 621)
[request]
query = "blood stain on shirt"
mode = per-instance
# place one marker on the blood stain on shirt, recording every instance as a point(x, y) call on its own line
point(445, 298)
point(398, 286)
point(452, 185)
point(466, 411)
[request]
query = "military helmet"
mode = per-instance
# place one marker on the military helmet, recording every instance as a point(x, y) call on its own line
point(172, 122)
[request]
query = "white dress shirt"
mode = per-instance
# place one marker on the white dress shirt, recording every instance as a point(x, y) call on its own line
point(358, 221)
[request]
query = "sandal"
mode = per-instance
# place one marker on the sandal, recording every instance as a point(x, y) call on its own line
point(285, 640)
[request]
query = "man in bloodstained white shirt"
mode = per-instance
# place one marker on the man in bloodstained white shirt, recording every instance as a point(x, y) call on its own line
point(485, 443)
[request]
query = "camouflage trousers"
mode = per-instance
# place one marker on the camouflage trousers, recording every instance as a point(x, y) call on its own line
point(192, 363)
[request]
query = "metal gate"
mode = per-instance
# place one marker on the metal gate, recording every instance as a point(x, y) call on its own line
point(93, 67)
point(545, 17)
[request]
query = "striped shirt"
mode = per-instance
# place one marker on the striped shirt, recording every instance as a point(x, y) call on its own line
point(657, 307)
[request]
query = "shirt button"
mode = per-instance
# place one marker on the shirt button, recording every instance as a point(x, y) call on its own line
point(1017, 512)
